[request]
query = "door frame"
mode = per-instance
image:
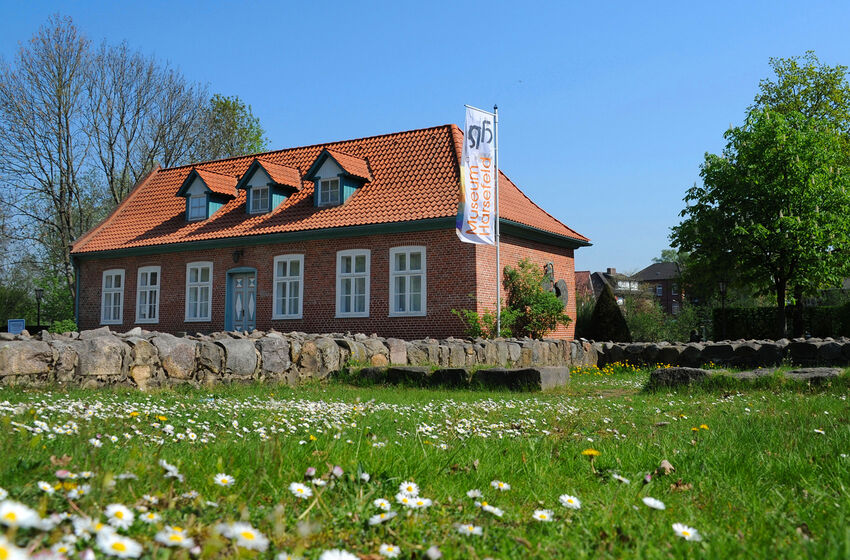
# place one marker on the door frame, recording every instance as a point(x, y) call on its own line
point(228, 294)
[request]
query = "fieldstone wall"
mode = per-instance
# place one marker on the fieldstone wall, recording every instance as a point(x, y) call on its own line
point(737, 354)
point(146, 359)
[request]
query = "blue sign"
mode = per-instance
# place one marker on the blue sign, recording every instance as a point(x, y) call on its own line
point(15, 326)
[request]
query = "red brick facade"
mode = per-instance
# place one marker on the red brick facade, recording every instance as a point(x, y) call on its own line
point(455, 272)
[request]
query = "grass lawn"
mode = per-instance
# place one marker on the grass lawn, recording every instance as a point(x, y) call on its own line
point(760, 473)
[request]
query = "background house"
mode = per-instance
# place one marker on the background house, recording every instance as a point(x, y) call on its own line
point(621, 284)
point(357, 235)
point(663, 281)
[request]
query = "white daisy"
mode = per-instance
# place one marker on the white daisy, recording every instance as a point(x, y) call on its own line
point(474, 494)
point(492, 509)
point(286, 556)
point(170, 537)
point(150, 517)
point(46, 487)
point(223, 479)
point(404, 499)
point(653, 503)
point(501, 486)
point(15, 514)
point(687, 533)
point(622, 479)
point(543, 514)
point(96, 442)
point(113, 544)
point(433, 553)
point(569, 501)
point(300, 491)
point(3, 494)
point(383, 504)
point(382, 517)
point(336, 554)
point(245, 536)
point(119, 516)
point(365, 477)
point(9, 551)
point(389, 550)
point(468, 529)
point(150, 499)
point(409, 488)
point(421, 503)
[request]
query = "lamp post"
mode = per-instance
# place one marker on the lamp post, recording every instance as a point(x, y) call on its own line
point(722, 286)
point(39, 293)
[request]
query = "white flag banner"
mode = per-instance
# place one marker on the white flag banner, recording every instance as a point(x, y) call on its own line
point(476, 213)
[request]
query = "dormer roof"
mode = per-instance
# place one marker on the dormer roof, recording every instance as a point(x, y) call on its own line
point(352, 165)
point(280, 174)
point(217, 183)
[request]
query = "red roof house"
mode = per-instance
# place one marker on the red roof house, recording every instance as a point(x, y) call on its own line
point(356, 235)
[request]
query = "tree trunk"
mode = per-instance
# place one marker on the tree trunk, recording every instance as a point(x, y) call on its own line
point(798, 326)
point(781, 288)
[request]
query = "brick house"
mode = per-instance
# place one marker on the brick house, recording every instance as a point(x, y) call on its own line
point(356, 235)
point(663, 282)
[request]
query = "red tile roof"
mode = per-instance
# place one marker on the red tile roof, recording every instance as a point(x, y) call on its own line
point(217, 183)
point(282, 174)
point(414, 176)
point(356, 166)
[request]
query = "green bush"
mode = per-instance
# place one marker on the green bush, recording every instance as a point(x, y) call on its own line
point(484, 325)
point(584, 313)
point(607, 321)
point(65, 325)
point(537, 311)
point(649, 323)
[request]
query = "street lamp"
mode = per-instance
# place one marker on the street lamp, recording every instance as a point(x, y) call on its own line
point(39, 293)
point(722, 286)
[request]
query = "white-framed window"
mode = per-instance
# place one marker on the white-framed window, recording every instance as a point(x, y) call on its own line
point(259, 200)
point(198, 207)
point(352, 283)
point(675, 290)
point(199, 291)
point(659, 290)
point(407, 281)
point(112, 297)
point(288, 287)
point(147, 294)
point(329, 194)
point(675, 308)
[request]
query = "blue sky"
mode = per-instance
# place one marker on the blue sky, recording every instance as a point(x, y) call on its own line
point(606, 108)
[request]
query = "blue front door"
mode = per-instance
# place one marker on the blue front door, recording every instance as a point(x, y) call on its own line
point(243, 301)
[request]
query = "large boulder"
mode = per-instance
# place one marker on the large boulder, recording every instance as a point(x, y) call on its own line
point(525, 379)
point(274, 351)
point(675, 377)
point(718, 353)
point(143, 361)
point(95, 333)
point(669, 355)
point(177, 355)
point(328, 355)
point(398, 351)
point(101, 357)
point(210, 361)
point(65, 364)
point(240, 357)
point(25, 358)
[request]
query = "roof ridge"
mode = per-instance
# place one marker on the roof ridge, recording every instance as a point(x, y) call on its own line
point(217, 173)
point(324, 144)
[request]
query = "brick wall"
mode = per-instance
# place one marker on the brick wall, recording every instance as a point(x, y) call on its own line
point(452, 270)
point(513, 250)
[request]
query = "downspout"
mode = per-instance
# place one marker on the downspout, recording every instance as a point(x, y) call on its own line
point(76, 291)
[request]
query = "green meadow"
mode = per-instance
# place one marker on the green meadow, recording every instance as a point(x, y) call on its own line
point(754, 471)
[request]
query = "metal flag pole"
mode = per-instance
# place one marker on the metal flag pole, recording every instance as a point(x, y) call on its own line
point(496, 230)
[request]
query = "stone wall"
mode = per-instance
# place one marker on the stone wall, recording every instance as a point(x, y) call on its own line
point(738, 354)
point(147, 359)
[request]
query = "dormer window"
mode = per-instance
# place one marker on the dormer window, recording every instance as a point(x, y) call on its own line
point(259, 200)
point(328, 192)
point(197, 207)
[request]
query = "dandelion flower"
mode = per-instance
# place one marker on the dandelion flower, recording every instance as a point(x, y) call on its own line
point(224, 479)
point(653, 503)
point(543, 514)
point(9, 551)
point(501, 486)
point(119, 516)
point(569, 501)
point(113, 544)
point(468, 529)
point(300, 491)
point(382, 517)
point(590, 452)
point(14, 514)
point(687, 533)
point(336, 554)
point(170, 537)
point(389, 550)
point(409, 488)
point(383, 504)
point(703, 426)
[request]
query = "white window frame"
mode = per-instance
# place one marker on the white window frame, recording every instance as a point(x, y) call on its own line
point(329, 202)
point(299, 258)
point(423, 272)
point(189, 285)
point(353, 253)
point(659, 290)
point(147, 290)
point(254, 209)
point(110, 291)
point(202, 209)
point(674, 290)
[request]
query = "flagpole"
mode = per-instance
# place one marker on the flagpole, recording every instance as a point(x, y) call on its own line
point(496, 230)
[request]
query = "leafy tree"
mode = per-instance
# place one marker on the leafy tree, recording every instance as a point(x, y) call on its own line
point(537, 311)
point(774, 205)
point(673, 256)
point(230, 129)
point(607, 322)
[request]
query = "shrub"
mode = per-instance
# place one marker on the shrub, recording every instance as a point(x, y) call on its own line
point(65, 325)
point(607, 321)
point(537, 311)
point(584, 314)
point(484, 325)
